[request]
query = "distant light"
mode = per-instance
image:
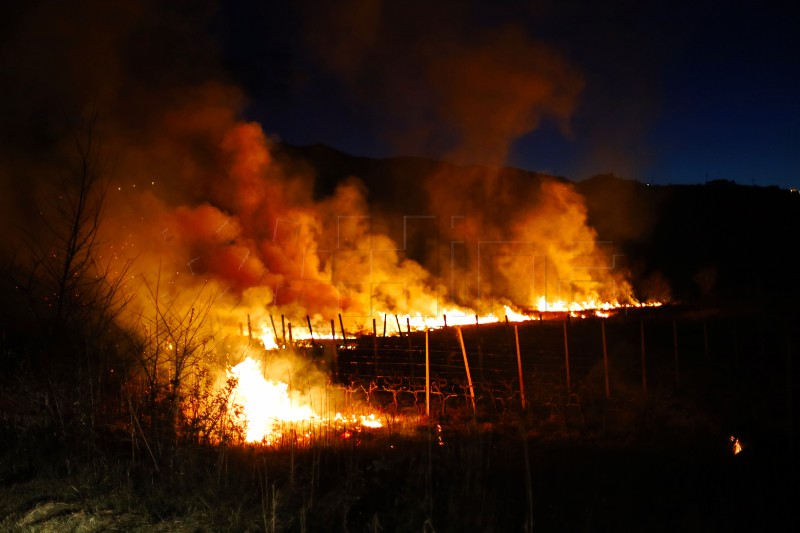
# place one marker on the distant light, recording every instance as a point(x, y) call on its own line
point(736, 445)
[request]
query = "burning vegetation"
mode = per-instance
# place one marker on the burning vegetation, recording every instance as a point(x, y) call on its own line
point(187, 303)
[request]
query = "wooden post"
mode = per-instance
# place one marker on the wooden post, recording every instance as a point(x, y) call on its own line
point(410, 351)
point(341, 326)
point(283, 329)
point(399, 331)
point(677, 361)
point(408, 325)
point(480, 347)
point(427, 376)
point(310, 330)
point(249, 331)
point(445, 320)
point(274, 331)
point(466, 367)
point(605, 358)
point(335, 350)
point(374, 347)
point(566, 356)
point(644, 359)
point(291, 340)
point(519, 368)
point(384, 324)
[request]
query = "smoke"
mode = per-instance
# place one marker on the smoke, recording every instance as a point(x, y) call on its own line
point(197, 199)
point(464, 84)
point(452, 85)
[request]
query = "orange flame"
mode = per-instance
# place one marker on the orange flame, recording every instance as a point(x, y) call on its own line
point(264, 403)
point(263, 407)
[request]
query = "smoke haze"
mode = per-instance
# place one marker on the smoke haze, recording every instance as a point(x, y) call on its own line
point(197, 199)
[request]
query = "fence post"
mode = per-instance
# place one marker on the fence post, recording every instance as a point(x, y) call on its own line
point(310, 329)
point(274, 331)
point(427, 377)
point(566, 356)
point(644, 360)
point(605, 358)
point(466, 367)
point(335, 352)
point(519, 368)
point(375, 347)
point(677, 361)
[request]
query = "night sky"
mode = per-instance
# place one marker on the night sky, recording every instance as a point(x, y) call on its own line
point(653, 91)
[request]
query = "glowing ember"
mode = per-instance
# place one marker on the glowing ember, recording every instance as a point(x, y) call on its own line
point(264, 403)
point(737, 445)
point(369, 421)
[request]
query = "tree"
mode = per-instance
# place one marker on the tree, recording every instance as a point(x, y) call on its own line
point(67, 284)
point(74, 295)
point(173, 338)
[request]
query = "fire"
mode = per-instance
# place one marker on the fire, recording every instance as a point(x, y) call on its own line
point(264, 403)
point(513, 316)
point(736, 445)
point(450, 316)
point(263, 408)
point(369, 421)
point(269, 339)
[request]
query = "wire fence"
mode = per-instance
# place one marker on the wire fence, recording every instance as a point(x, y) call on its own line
point(559, 368)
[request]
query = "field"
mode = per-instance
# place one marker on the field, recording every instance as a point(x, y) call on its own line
point(643, 438)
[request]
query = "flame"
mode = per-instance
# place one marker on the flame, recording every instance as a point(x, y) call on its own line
point(450, 316)
point(513, 316)
point(269, 339)
point(736, 445)
point(262, 408)
point(264, 403)
point(369, 421)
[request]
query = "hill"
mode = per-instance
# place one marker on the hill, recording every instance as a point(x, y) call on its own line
point(717, 243)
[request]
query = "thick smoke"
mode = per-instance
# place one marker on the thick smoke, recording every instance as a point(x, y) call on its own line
point(465, 91)
point(196, 198)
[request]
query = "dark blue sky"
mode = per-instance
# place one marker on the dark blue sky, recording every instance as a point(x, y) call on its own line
point(668, 93)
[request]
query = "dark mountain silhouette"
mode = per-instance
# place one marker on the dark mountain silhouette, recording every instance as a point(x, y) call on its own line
point(718, 243)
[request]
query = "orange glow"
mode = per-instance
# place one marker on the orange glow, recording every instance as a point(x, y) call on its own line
point(268, 338)
point(369, 421)
point(264, 403)
point(450, 316)
point(737, 445)
point(266, 409)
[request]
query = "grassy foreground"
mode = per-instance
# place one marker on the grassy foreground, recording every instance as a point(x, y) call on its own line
point(459, 475)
